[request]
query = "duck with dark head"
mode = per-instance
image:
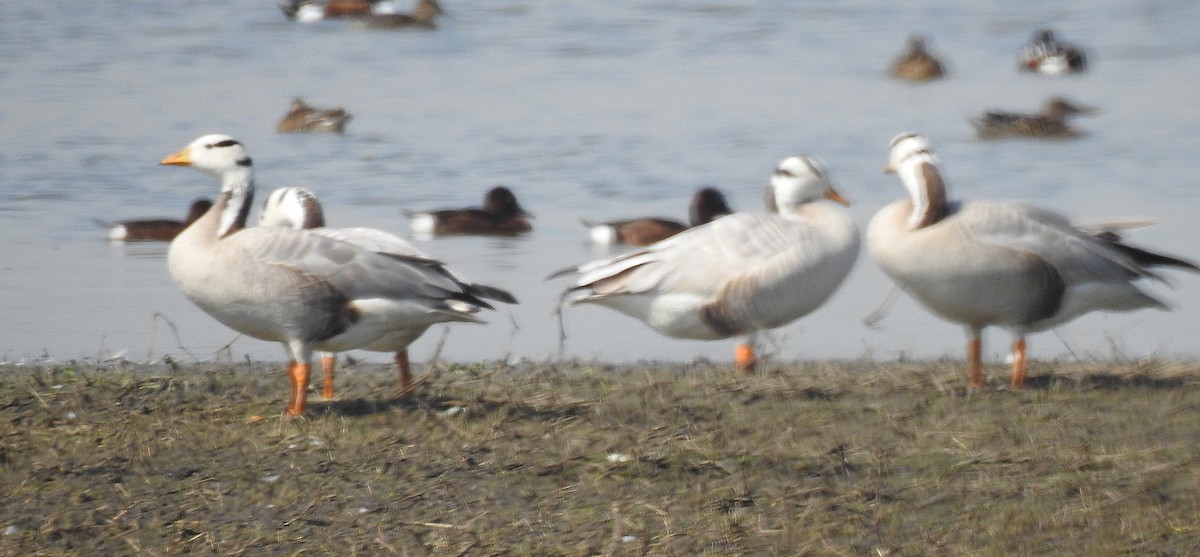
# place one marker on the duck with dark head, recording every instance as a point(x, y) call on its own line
point(500, 215)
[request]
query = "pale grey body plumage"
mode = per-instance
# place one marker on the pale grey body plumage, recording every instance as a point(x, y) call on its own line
point(307, 290)
point(736, 275)
point(746, 272)
point(281, 284)
point(984, 263)
point(297, 208)
point(1011, 265)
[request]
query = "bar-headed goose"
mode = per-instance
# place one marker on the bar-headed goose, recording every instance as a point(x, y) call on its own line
point(500, 215)
point(707, 204)
point(982, 263)
point(154, 230)
point(300, 288)
point(739, 274)
point(300, 209)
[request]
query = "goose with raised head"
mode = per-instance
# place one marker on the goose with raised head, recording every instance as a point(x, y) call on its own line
point(983, 263)
point(154, 230)
point(300, 209)
point(739, 274)
point(707, 204)
point(500, 215)
point(302, 289)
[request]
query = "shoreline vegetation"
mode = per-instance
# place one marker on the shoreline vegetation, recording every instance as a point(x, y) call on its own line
point(583, 458)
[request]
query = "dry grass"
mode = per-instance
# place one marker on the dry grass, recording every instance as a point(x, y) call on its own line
point(858, 458)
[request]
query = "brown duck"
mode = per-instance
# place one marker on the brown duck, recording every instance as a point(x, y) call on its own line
point(303, 118)
point(500, 215)
point(707, 204)
point(422, 17)
point(154, 230)
point(917, 64)
point(1051, 123)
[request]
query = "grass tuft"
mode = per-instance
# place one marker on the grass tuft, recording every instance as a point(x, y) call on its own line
point(575, 458)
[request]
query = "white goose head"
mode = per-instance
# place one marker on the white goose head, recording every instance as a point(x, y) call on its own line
point(224, 157)
point(799, 179)
point(293, 208)
point(912, 158)
point(216, 154)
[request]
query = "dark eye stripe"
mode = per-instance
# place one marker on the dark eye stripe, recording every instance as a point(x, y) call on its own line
point(245, 162)
point(224, 143)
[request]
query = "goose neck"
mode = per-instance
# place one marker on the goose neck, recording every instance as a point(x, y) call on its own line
point(237, 191)
point(927, 190)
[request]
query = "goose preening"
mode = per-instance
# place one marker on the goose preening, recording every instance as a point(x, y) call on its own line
point(154, 230)
point(707, 204)
point(303, 118)
point(1051, 123)
point(303, 289)
point(736, 275)
point(500, 215)
point(300, 209)
point(981, 263)
point(917, 63)
point(1046, 55)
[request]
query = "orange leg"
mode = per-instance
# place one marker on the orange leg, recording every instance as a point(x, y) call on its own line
point(975, 362)
point(744, 360)
point(1020, 365)
point(296, 402)
point(328, 361)
point(406, 382)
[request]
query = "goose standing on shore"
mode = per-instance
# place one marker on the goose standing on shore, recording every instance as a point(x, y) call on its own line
point(739, 274)
point(299, 209)
point(982, 263)
point(299, 288)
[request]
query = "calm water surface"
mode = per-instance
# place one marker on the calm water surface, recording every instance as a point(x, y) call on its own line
point(586, 109)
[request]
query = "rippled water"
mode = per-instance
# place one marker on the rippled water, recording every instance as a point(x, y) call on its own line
point(596, 109)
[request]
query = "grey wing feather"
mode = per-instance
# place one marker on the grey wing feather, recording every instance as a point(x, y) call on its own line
point(704, 258)
point(356, 272)
point(1075, 254)
point(371, 239)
